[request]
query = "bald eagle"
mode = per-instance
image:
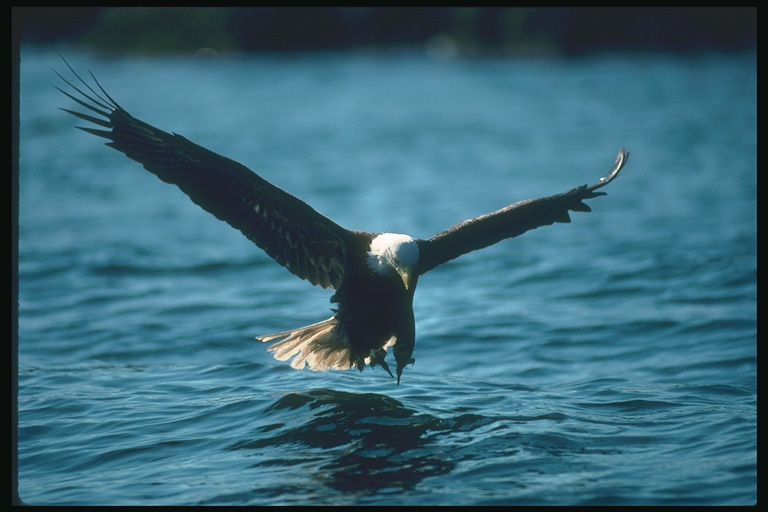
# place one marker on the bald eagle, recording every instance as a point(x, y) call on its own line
point(374, 275)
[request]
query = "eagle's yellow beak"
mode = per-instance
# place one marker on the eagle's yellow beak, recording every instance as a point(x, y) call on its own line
point(406, 274)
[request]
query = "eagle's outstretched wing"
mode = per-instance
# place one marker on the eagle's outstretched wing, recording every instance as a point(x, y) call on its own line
point(309, 244)
point(511, 221)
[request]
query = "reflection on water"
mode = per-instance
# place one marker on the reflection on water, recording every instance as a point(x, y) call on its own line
point(380, 443)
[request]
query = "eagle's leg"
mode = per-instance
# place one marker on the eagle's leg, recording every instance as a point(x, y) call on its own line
point(377, 356)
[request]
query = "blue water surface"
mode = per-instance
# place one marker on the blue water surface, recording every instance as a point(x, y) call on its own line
point(607, 361)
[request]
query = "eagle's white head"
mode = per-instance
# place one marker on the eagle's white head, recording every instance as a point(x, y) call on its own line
point(393, 252)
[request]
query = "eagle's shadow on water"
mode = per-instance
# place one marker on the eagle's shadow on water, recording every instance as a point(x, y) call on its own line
point(378, 442)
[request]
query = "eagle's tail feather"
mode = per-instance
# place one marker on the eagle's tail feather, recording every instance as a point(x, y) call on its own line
point(320, 346)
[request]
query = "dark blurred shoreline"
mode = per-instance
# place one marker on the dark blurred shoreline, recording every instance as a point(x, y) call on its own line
point(444, 32)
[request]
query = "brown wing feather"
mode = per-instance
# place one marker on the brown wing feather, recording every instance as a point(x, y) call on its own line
point(307, 243)
point(511, 221)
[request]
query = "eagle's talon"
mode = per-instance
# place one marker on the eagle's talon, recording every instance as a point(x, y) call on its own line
point(377, 357)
